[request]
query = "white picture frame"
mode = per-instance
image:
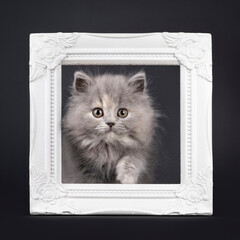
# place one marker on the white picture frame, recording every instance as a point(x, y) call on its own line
point(192, 51)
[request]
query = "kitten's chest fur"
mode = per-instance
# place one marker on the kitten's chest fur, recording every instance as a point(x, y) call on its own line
point(94, 165)
point(99, 163)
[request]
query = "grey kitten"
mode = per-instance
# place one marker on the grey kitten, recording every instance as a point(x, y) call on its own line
point(108, 130)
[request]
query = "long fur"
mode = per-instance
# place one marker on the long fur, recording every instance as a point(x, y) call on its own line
point(94, 153)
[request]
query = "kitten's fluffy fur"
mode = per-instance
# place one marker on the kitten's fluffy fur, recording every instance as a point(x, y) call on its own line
point(95, 153)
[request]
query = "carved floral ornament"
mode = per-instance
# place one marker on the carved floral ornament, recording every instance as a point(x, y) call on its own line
point(193, 51)
point(44, 188)
point(192, 194)
point(47, 51)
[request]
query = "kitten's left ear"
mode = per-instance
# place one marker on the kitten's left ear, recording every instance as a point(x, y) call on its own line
point(138, 81)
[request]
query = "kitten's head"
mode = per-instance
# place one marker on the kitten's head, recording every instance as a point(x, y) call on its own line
point(112, 108)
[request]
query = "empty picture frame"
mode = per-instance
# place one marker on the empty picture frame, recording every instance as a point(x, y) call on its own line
point(49, 52)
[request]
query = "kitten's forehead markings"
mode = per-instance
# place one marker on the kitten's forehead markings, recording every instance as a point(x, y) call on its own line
point(100, 100)
point(108, 103)
point(110, 106)
point(98, 104)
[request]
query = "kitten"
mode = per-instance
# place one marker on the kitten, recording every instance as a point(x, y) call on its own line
point(108, 130)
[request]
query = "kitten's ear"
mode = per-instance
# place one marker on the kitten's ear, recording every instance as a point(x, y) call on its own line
point(81, 81)
point(138, 81)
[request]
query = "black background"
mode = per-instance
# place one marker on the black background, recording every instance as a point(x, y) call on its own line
point(163, 84)
point(20, 18)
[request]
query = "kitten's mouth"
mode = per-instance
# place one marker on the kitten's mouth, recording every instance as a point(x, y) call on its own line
point(110, 130)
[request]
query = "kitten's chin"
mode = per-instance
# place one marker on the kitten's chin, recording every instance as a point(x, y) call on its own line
point(111, 137)
point(123, 140)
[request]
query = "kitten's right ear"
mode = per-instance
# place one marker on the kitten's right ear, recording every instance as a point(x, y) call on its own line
point(81, 81)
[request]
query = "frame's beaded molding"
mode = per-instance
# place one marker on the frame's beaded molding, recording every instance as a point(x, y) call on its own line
point(52, 126)
point(189, 125)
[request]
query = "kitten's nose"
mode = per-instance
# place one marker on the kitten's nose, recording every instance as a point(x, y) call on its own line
point(110, 124)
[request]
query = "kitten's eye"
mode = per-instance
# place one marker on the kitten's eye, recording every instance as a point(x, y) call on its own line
point(97, 112)
point(122, 112)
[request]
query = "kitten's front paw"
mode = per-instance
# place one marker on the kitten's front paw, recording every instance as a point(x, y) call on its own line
point(126, 179)
point(126, 173)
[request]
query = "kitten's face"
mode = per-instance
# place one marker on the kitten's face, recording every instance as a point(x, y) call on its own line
point(110, 116)
point(112, 108)
point(113, 119)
